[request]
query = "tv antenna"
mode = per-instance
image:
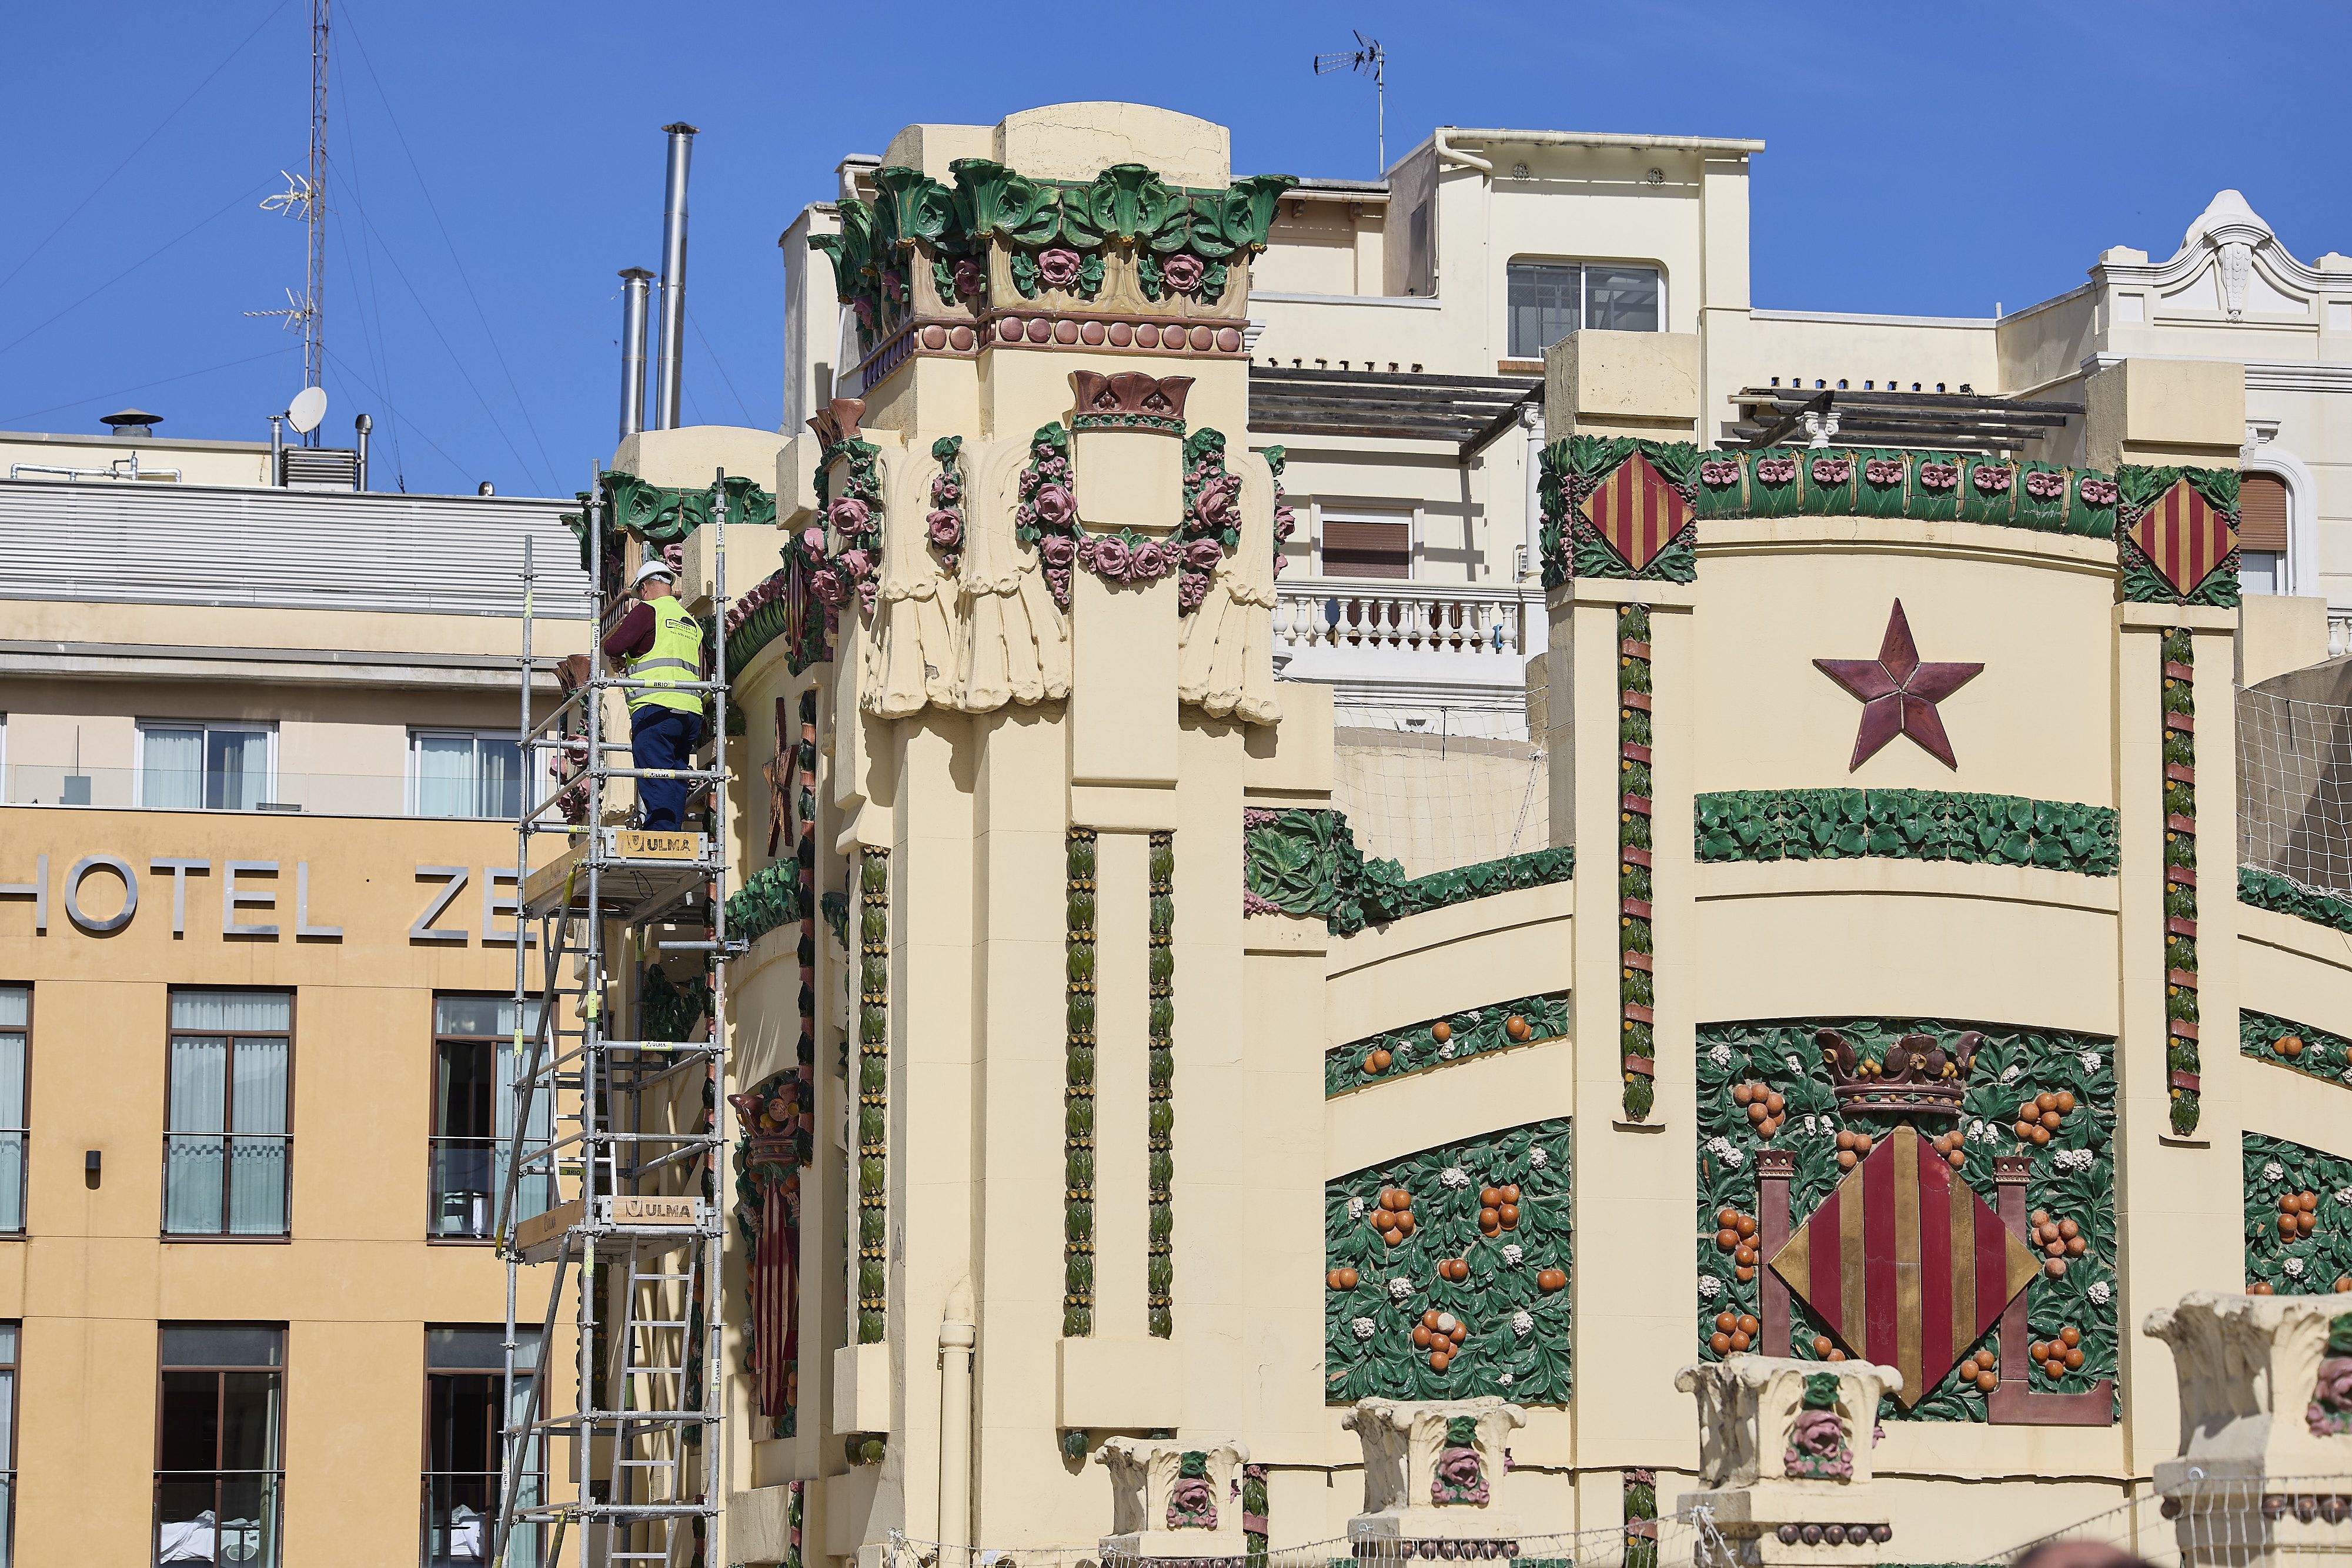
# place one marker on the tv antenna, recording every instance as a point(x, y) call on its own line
point(1366, 58)
point(305, 196)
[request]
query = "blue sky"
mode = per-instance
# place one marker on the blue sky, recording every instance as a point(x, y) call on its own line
point(496, 165)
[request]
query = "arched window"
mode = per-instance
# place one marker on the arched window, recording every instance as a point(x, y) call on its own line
point(2263, 532)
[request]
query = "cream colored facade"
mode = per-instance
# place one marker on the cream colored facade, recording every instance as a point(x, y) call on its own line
point(226, 606)
point(1125, 719)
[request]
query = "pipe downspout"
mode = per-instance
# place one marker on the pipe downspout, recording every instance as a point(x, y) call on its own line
point(959, 1339)
point(633, 280)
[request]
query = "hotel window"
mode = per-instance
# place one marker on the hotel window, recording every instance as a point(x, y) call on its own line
point(205, 767)
point(8, 1332)
point(474, 1066)
point(1367, 543)
point(15, 1016)
point(465, 1449)
point(457, 773)
point(1550, 299)
point(2262, 532)
point(225, 1149)
point(219, 1473)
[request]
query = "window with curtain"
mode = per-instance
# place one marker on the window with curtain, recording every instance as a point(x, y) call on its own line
point(475, 1069)
point(464, 1448)
point(226, 1151)
point(457, 773)
point(8, 1332)
point(204, 767)
point(219, 1471)
point(1546, 300)
point(16, 1019)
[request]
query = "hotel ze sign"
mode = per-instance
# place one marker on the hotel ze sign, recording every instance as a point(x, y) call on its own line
point(240, 898)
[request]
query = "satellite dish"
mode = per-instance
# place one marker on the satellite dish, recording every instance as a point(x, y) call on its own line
point(309, 407)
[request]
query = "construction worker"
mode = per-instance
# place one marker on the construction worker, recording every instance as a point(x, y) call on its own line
point(658, 642)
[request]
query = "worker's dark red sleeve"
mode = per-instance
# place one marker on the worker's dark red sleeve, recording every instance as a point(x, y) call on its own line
point(634, 635)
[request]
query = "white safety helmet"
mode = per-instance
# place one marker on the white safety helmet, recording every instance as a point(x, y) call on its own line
point(655, 567)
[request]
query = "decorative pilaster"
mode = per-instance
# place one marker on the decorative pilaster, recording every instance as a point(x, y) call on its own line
point(2181, 1063)
point(1637, 997)
point(1172, 1503)
point(1078, 1090)
point(1160, 1262)
point(1435, 1475)
point(873, 1097)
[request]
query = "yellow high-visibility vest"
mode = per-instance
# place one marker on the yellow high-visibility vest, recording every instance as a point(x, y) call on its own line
point(675, 659)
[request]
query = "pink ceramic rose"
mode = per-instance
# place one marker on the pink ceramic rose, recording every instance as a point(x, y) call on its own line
point(1056, 551)
point(1939, 475)
point(1202, 554)
point(1833, 470)
point(864, 313)
point(944, 491)
point(813, 541)
point(968, 279)
point(1776, 470)
point(857, 563)
point(1184, 271)
point(945, 528)
point(848, 515)
point(1111, 557)
point(831, 587)
point(1190, 589)
point(1993, 481)
point(2329, 1414)
point(1215, 505)
point(1882, 471)
point(1055, 506)
point(1817, 1447)
point(1057, 267)
point(1152, 560)
point(1718, 471)
point(2098, 492)
point(2044, 486)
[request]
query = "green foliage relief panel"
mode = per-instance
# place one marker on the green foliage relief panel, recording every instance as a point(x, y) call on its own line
point(1510, 1298)
point(2298, 1219)
point(2072, 1175)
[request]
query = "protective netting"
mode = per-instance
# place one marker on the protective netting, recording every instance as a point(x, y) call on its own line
point(2294, 790)
point(2221, 1523)
point(1437, 788)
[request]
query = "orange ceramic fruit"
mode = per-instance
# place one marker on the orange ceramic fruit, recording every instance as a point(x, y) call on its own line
point(1986, 1382)
point(1820, 1345)
point(1740, 1342)
point(1347, 1279)
point(1746, 1225)
point(1439, 1360)
point(1718, 1341)
point(1510, 1192)
point(1420, 1337)
point(1747, 1325)
point(1836, 1354)
point(1725, 1218)
point(1441, 1031)
point(2065, 1106)
point(2055, 1267)
point(1508, 1214)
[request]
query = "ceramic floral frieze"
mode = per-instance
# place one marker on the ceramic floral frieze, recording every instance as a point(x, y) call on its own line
point(1817, 1449)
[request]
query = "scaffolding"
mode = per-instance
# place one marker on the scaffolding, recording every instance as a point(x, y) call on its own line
point(623, 1178)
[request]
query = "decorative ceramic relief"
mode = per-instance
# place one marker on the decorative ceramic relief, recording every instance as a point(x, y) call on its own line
point(2298, 1219)
point(1439, 1042)
point(1130, 399)
point(1285, 522)
point(2329, 1414)
point(1447, 1272)
point(2267, 890)
point(2178, 535)
point(873, 1186)
point(1078, 1086)
point(1192, 1505)
point(1905, 824)
point(943, 525)
point(1159, 1258)
point(2299, 1047)
point(660, 517)
point(767, 1160)
point(1618, 507)
point(1213, 517)
point(1254, 1510)
point(2182, 1065)
point(1460, 1474)
point(1923, 487)
point(1899, 694)
point(1636, 978)
point(1304, 860)
point(769, 897)
point(1818, 1449)
point(1793, 1113)
point(1048, 514)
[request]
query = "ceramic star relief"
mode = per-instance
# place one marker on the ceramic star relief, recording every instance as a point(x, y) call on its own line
point(1899, 694)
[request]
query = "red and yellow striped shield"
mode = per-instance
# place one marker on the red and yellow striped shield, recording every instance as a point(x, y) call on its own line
point(1905, 1263)
point(1636, 511)
point(2184, 535)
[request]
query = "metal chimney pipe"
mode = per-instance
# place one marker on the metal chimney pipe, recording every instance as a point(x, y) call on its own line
point(673, 278)
point(633, 350)
point(363, 424)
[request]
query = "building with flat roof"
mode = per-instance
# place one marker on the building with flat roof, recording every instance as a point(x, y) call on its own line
point(258, 778)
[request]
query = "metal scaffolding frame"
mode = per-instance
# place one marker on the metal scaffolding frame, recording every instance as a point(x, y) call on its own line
point(640, 1236)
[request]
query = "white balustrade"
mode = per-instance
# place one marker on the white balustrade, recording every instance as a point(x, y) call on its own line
point(1464, 619)
point(2339, 633)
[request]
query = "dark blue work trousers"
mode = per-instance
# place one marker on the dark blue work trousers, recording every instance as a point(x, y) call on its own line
point(663, 738)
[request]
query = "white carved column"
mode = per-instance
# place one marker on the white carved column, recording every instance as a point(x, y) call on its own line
point(1435, 1472)
point(1174, 1502)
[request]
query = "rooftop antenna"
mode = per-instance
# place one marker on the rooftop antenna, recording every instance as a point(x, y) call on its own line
point(1366, 58)
point(305, 196)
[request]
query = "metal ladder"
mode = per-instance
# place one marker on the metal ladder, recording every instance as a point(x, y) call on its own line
point(606, 1131)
